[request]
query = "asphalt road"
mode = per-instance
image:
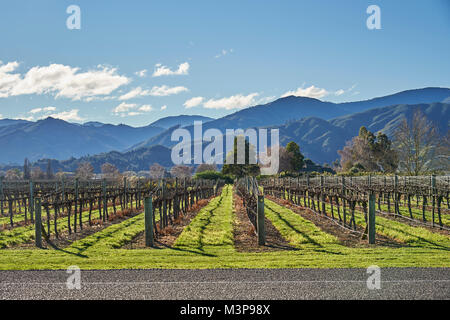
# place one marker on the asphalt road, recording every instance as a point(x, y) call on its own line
point(236, 284)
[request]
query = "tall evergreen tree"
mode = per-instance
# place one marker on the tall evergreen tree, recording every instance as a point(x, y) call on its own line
point(249, 167)
point(296, 156)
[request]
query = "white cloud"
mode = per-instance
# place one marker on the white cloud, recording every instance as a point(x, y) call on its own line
point(104, 98)
point(7, 79)
point(71, 115)
point(238, 101)
point(163, 108)
point(310, 92)
point(183, 69)
point(49, 109)
point(193, 102)
point(234, 102)
point(131, 109)
point(155, 91)
point(124, 107)
point(166, 91)
point(22, 117)
point(35, 110)
point(223, 53)
point(9, 67)
point(315, 92)
point(133, 113)
point(136, 92)
point(342, 91)
point(141, 73)
point(266, 100)
point(39, 110)
point(60, 80)
point(146, 108)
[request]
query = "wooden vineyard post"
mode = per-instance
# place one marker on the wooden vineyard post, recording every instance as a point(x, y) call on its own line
point(125, 197)
point(395, 195)
point(164, 204)
point(322, 194)
point(1, 195)
point(260, 221)
point(76, 207)
point(175, 200)
point(191, 199)
point(31, 201)
point(433, 197)
point(186, 196)
point(343, 200)
point(148, 212)
point(104, 199)
point(38, 223)
point(216, 187)
point(63, 194)
point(307, 190)
point(139, 193)
point(371, 218)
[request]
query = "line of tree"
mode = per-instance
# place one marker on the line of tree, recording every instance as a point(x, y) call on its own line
point(417, 148)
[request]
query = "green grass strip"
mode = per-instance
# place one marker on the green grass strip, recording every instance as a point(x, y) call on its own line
point(413, 236)
point(417, 214)
point(298, 231)
point(212, 226)
point(25, 234)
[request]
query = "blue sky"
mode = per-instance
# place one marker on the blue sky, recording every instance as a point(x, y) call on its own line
point(211, 57)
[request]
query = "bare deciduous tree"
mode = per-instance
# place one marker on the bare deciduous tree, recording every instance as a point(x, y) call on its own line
point(85, 171)
point(443, 157)
point(418, 145)
point(12, 174)
point(60, 175)
point(181, 171)
point(37, 173)
point(110, 171)
point(285, 159)
point(157, 171)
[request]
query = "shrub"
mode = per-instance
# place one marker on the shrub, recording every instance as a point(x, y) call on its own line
point(214, 175)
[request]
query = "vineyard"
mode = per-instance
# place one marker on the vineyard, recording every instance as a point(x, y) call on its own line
point(58, 209)
point(421, 199)
point(320, 221)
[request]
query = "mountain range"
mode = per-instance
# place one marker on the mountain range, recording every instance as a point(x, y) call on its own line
point(319, 127)
point(58, 139)
point(321, 139)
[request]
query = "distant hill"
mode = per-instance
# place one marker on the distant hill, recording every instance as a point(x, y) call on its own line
point(320, 126)
point(181, 120)
point(93, 124)
point(58, 139)
point(320, 140)
point(415, 96)
point(8, 122)
point(164, 139)
point(293, 108)
point(137, 160)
